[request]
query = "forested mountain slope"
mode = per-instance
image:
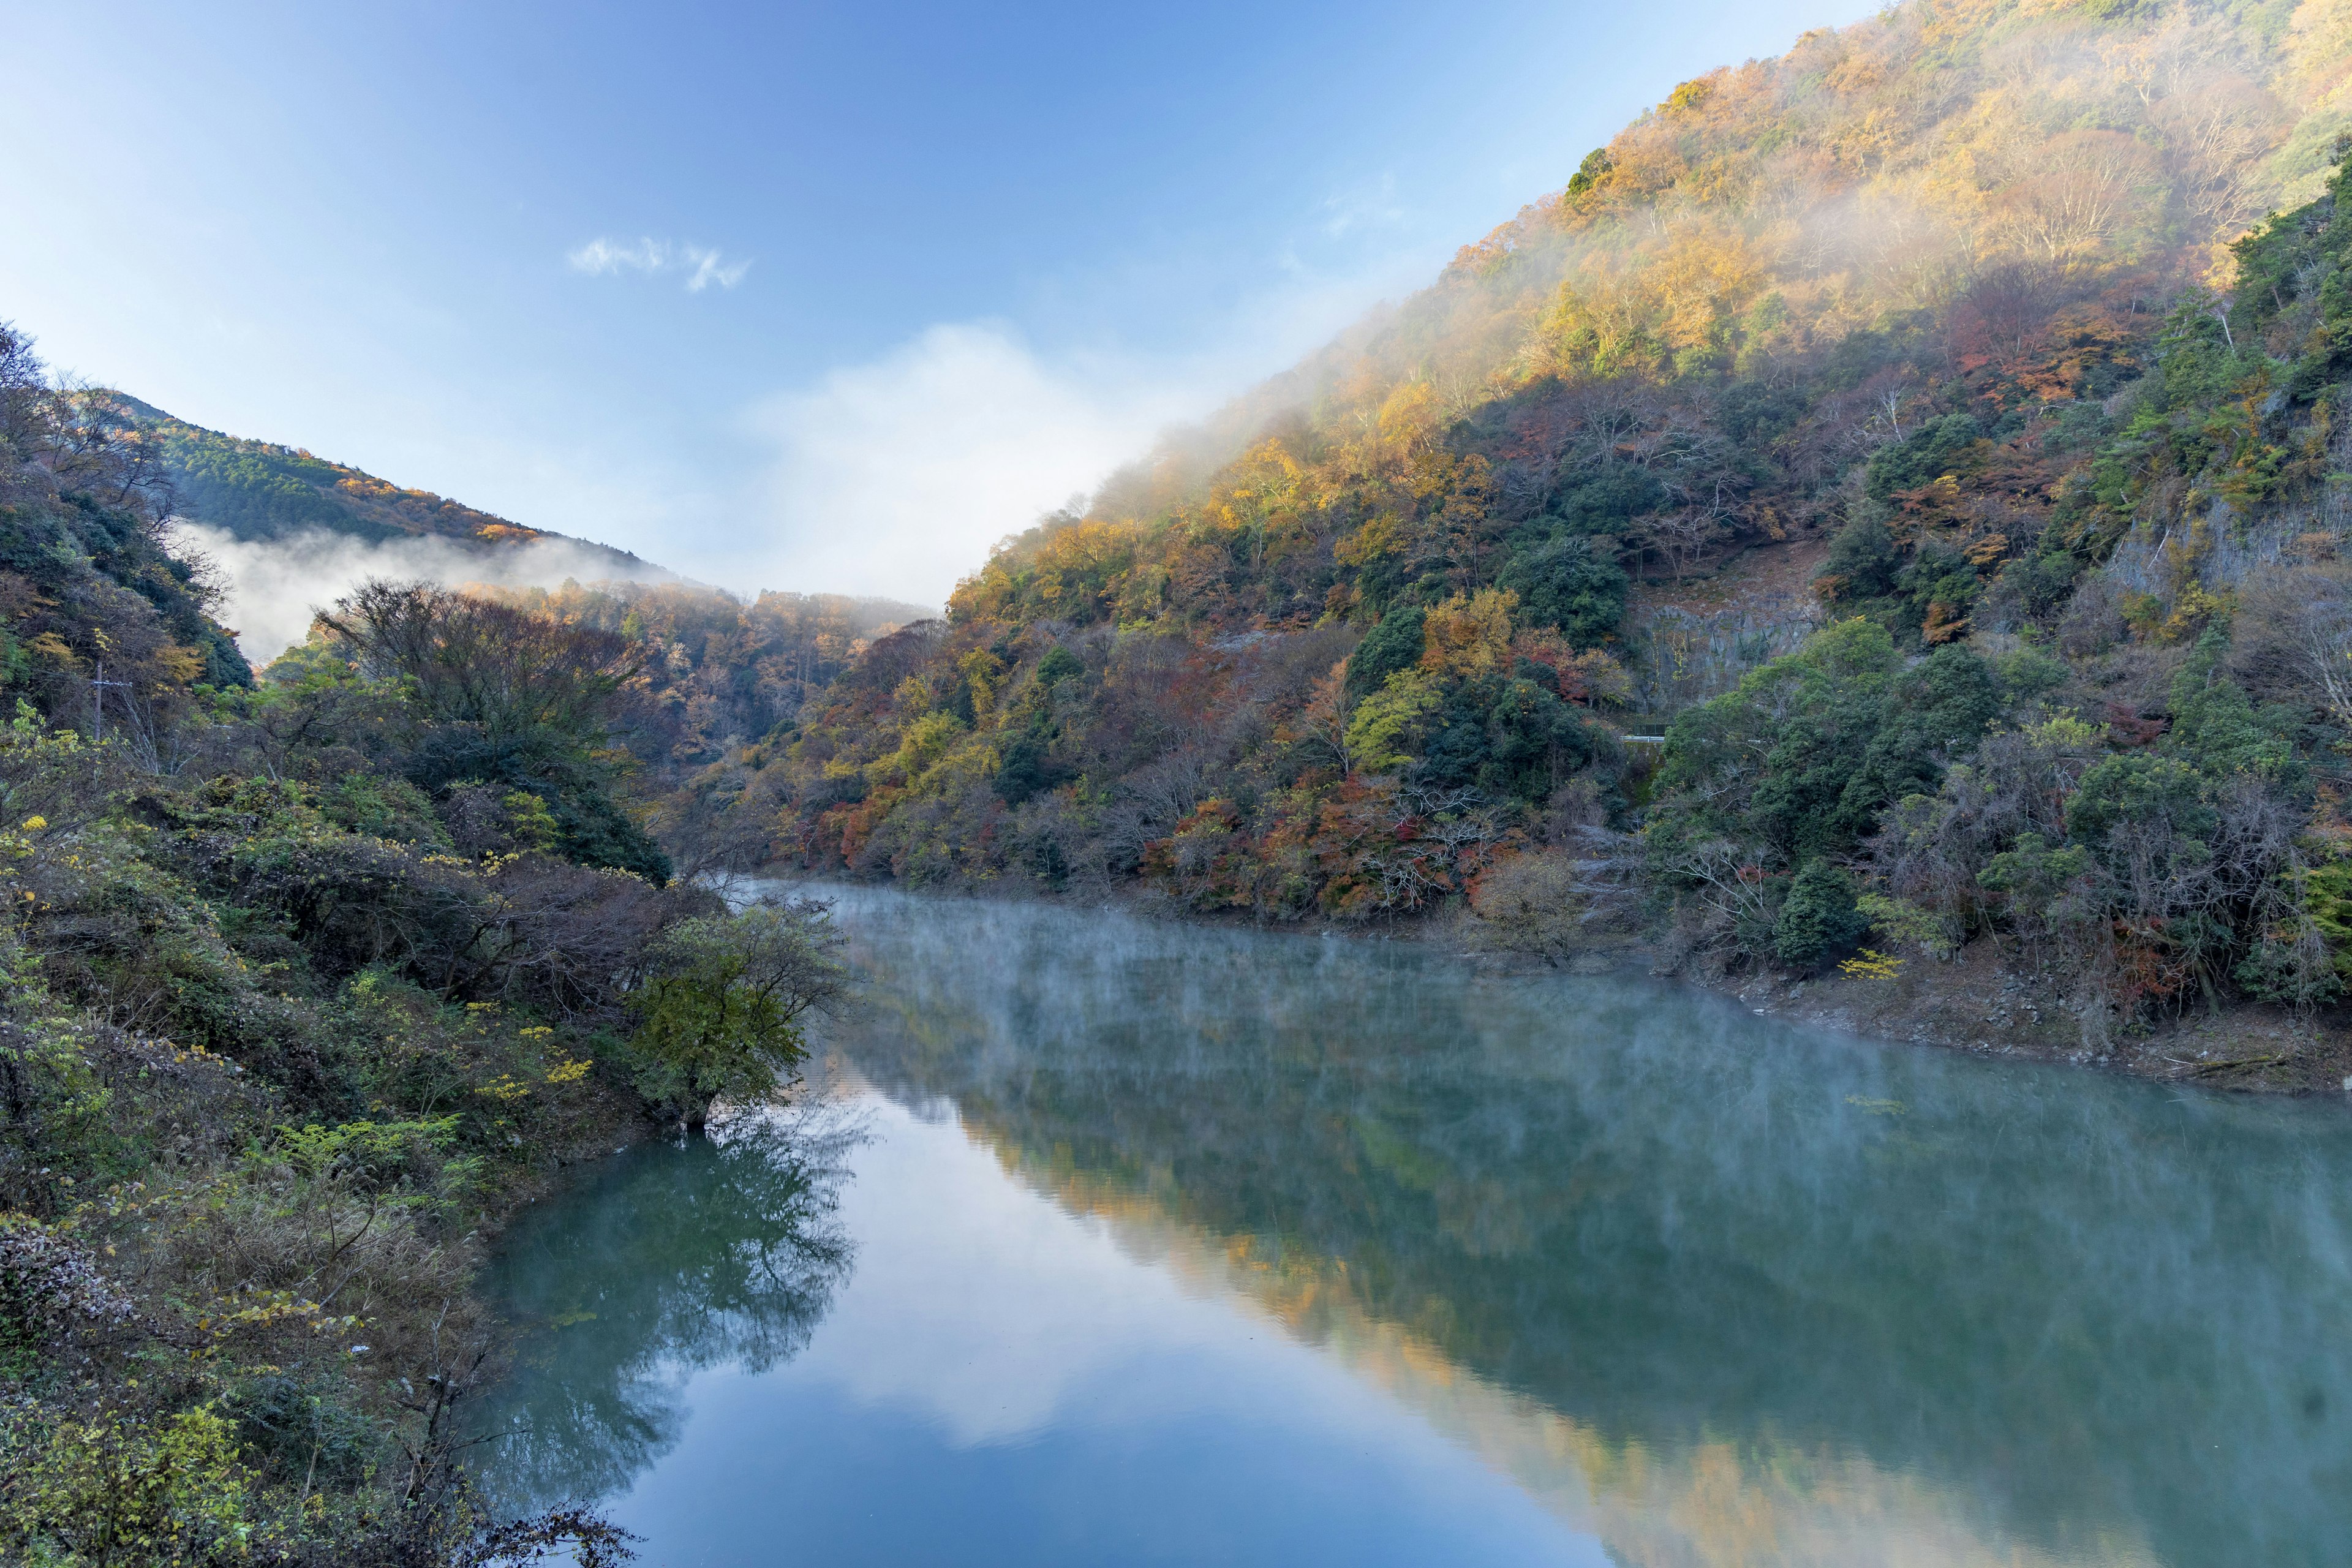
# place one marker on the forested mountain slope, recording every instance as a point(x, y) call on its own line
point(106, 617)
point(1928, 426)
point(86, 577)
point(261, 490)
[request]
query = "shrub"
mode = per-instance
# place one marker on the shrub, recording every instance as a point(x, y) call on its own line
point(1571, 585)
point(118, 1488)
point(1819, 919)
point(1531, 903)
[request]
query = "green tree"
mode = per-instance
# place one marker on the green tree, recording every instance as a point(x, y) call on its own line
point(1819, 919)
point(1390, 646)
point(717, 1014)
point(522, 701)
point(1569, 585)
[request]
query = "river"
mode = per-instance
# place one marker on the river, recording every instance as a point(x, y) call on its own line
point(1107, 1241)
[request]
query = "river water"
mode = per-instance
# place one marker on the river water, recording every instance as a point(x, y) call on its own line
point(1117, 1241)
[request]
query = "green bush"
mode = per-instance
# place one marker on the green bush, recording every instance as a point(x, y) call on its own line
point(718, 1016)
point(1569, 585)
point(1819, 917)
point(118, 1488)
point(1392, 645)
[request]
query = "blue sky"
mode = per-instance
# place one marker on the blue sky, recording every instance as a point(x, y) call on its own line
point(952, 263)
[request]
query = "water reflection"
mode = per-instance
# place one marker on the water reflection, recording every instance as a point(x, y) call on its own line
point(2097, 1321)
point(724, 1250)
point(1708, 1289)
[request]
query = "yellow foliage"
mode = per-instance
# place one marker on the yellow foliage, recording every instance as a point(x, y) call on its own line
point(1379, 537)
point(1689, 95)
point(51, 646)
point(983, 673)
point(922, 743)
point(1387, 725)
point(1408, 418)
point(2319, 46)
point(183, 665)
point(1469, 636)
point(1073, 570)
point(1871, 965)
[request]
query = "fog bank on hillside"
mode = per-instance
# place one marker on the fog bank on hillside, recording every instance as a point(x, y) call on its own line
point(275, 586)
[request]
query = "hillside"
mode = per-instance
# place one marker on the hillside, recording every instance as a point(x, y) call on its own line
point(260, 490)
point(1926, 431)
point(107, 618)
point(308, 981)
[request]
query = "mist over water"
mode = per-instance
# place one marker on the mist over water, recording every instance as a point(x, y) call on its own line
point(1165, 1243)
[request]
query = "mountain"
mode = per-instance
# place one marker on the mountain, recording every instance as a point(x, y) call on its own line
point(259, 491)
point(104, 610)
point(1867, 180)
point(1928, 432)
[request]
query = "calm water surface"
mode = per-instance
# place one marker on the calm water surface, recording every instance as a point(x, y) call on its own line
point(1125, 1242)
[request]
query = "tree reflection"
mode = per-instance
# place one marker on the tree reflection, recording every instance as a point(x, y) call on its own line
point(2084, 1305)
point(683, 1257)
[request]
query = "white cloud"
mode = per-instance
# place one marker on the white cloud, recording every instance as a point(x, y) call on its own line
point(896, 475)
point(602, 258)
point(710, 268)
point(275, 586)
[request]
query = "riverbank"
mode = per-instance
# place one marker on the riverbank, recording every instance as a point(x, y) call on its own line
point(1975, 1001)
point(1977, 1004)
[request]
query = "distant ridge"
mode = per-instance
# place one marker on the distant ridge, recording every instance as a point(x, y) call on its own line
point(260, 491)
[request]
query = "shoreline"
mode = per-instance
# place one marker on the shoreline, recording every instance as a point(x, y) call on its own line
point(2245, 1048)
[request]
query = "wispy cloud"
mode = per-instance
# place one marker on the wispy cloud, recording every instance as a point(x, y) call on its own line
point(601, 256)
point(897, 475)
point(1367, 205)
point(710, 268)
point(702, 266)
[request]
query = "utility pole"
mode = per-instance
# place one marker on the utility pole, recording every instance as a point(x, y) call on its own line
point(98, 703)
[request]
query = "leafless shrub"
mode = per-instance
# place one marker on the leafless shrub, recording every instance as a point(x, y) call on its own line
point(2094, 621)
point(1731, 902)
point(1153, 801)
point(1550, 902)
point(52, 1284)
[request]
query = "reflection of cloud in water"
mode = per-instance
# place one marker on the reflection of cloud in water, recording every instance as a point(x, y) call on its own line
point(986, 1307)
point(1281, 1203)
point(2035, 1317)
point(990, 1332)
point(1754, 1501)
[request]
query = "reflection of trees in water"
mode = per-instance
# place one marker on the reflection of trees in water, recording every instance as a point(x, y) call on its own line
point(2079, 1304)
point(684, 1256)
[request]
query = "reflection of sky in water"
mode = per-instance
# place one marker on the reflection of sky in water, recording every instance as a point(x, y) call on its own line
point(999, 1382)
point(1209, 1246)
